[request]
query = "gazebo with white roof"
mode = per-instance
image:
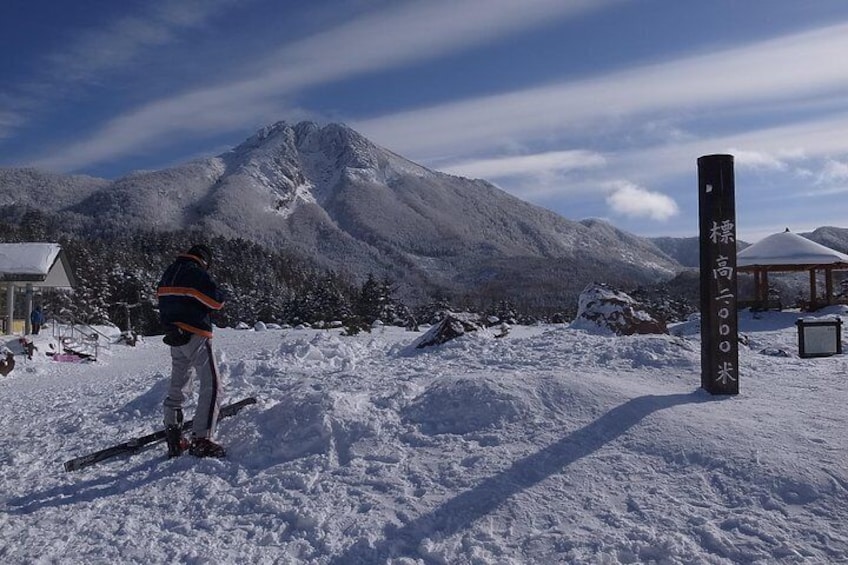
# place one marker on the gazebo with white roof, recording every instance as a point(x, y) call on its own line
point(790, 252)
point(28, 266)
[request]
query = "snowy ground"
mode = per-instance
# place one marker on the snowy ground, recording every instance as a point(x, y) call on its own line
point(550, 445)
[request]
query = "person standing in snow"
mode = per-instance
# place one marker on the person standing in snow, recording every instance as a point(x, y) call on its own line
point(187, 297)
point(36, 318)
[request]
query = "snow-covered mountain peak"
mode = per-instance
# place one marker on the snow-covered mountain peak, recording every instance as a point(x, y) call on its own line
point(315, 148)
point(266, 134)
point(329, 193)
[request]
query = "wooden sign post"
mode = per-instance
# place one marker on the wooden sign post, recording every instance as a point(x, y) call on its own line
point(719, 321)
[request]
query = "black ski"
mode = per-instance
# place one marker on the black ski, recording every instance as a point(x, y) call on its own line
point(137, 444)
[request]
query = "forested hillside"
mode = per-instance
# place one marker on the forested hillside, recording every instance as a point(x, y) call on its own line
point(117, 273)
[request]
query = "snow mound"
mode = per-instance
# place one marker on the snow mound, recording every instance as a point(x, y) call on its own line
point(547, 445)
point(323, 351)
point(460, 405)
point(298, 426)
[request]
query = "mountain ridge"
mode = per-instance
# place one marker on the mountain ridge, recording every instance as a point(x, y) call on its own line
point(330, 194)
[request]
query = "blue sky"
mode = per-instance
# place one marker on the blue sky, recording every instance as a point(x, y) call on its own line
point(591, 108)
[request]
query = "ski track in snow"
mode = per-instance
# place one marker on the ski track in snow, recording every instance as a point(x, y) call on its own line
point(550, 445)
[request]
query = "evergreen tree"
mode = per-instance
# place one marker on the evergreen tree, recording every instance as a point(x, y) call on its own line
point(117, 273)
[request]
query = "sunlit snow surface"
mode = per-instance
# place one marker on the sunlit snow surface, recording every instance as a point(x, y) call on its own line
point(549, 445)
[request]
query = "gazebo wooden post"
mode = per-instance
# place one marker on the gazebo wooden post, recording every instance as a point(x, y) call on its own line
point(813, 297)
point(28, 308)
point(764, 289)
point(10, 307)
point(828, 285)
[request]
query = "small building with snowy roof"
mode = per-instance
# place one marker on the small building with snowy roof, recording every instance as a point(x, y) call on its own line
point(26, 266)
point(790, 252)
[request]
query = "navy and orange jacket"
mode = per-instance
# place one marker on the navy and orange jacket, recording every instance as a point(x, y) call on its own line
point(188, 295)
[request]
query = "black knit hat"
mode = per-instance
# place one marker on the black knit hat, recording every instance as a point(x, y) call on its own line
point(202, 252)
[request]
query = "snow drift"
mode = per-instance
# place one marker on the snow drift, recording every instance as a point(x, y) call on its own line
point(549, 445)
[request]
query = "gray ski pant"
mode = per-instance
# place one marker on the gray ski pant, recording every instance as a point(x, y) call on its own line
point(197, 355)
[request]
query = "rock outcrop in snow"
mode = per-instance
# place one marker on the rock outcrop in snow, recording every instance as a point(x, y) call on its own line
point(451, 327)
point(606, 310)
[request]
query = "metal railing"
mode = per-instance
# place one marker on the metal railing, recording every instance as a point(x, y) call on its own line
point(77, 338)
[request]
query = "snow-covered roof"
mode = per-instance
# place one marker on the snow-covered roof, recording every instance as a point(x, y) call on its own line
point(789, 250)
point(41, 264)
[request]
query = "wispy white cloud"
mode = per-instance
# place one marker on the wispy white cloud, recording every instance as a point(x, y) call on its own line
point(410, 32)
point(795, 148)
point(388, 38)
point(798, 153)
point(630, 200)
point(797, 74)
point(795, 68)
point(9, 120)
point(541, 163)
point(758, 160)
point(86, 56)
point(834, 171)
point(119, 42)
point(646, 99)
point(121, 136)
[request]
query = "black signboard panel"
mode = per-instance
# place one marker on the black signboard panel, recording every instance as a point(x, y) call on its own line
point(719, 321)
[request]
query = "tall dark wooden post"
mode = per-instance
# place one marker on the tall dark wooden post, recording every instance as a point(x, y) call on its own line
point(719, 321)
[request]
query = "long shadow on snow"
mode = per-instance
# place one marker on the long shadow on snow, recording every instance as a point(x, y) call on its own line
point(461, 511)
point(87, 491)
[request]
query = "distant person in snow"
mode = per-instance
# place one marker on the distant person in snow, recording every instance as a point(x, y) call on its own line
point(36, 318)
point(187, 297)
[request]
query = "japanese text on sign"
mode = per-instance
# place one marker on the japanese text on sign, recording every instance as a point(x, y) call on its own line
point(717, 227)
point(722, 235)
